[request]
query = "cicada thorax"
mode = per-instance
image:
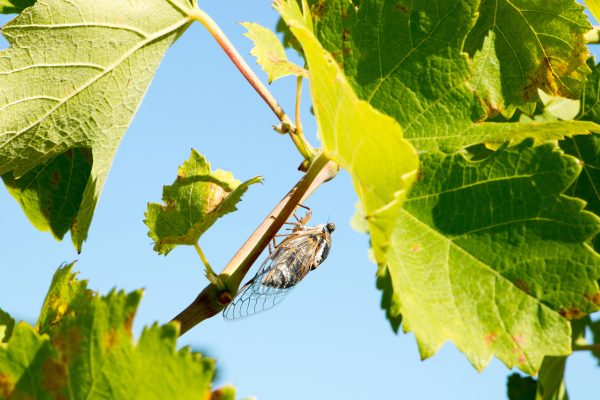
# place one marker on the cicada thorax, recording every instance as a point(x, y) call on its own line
point(300, 253)
point(288, 267)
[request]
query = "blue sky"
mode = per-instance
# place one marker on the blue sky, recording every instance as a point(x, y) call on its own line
point(328, 339)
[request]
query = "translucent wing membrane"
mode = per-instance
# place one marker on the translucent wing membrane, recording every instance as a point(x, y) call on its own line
point(299, 253)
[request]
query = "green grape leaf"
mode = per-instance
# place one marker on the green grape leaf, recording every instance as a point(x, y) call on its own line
point(86, 350)
point(551, 379)
point(536, 45)
point(521, 387)
point(425, 81)
point(406, 59)
point(7, 324)
point(50, 194)
point(73, 77)
point(587, 148)
point(195, 200)
point(491, 255)
point(587, 185)
point(367, 143)
point(14, 6)
point(270, 54)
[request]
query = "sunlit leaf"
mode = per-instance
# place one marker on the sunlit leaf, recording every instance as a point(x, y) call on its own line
point(587, 149)
point(361, 139)
point(270, 54)
point(406, 58)
point(196, 199)
point(490, 255)
point(85, 350)
point(73, 77)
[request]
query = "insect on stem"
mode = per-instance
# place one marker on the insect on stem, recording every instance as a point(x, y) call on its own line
point(210, 302)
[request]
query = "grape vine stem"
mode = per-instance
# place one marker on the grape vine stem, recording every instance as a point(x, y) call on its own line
point(587, 347)
point(287, 125)
point(211, 299)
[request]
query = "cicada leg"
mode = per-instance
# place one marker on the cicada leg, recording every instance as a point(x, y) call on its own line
point(273, 246)
point(306, 218)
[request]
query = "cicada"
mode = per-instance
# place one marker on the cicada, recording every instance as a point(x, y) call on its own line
point(302, 250)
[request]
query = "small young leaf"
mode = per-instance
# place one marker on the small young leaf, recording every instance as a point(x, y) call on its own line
point(7, 324)
point(14, 6)
point(196, 199)
point(270, 54)
point(86, 350)
point(587, 148)
point(73, 77)
point(361, 139)
point(493, 242)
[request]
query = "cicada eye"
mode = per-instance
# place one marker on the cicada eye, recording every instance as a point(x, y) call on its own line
point(330, 227)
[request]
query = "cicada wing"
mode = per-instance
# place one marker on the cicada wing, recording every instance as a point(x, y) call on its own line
point(287, 265)
point(253, 298)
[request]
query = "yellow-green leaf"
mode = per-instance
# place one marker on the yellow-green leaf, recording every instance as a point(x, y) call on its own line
point(196, 199)
point(364, 141)
point(73, 77)
point(270, 54)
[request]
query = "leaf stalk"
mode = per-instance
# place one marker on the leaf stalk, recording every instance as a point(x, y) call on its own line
point(587, 347)
point(210, 273)
point(288, 126)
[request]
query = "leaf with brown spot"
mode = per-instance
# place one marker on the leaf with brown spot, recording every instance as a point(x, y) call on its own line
point(194, 202)
point(536, 45)
point(514, 268)
point(87, 350)
point(424, 80)
point(587, 148)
